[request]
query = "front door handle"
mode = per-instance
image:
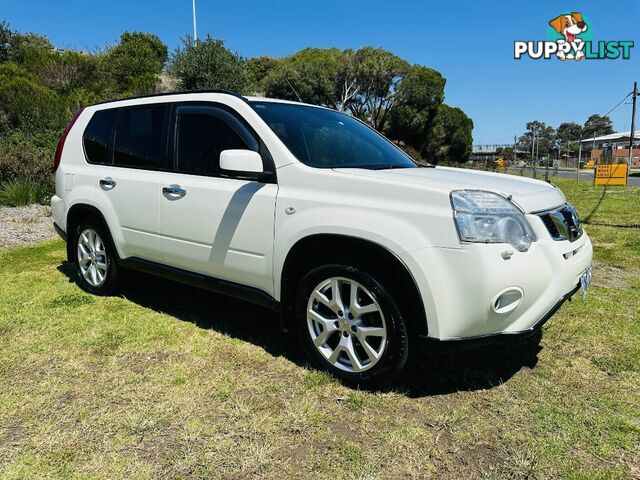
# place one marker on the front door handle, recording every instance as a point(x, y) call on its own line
point(173, 192)
point(107, 183)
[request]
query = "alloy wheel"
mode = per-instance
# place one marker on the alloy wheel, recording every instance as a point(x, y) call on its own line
point(92, 257)
point(346, 324)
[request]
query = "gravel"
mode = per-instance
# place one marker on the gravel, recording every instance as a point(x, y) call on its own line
point(25, 225)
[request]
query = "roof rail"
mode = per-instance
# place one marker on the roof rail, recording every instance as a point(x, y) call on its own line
point(181, 92)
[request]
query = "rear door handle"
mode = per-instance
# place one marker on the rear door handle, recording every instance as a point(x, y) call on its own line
point(107, 183)
point(174, 191)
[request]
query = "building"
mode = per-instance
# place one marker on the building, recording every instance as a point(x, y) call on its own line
point(614, 146)
point(487, 153)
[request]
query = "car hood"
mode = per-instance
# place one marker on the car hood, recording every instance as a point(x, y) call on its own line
point(531, 195)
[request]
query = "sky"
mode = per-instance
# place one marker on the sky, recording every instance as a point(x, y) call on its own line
point(469, 42)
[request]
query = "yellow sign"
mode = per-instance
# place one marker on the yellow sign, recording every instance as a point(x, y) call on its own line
point(610, 174)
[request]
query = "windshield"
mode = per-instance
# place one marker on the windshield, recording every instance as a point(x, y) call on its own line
point(328, 139)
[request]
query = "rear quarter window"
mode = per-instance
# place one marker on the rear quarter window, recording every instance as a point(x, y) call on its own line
point(97, 134)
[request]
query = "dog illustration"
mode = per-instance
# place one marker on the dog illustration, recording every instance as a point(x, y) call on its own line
point(569, 26)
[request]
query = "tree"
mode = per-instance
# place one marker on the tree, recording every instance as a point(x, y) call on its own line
point(538, 139)
point(569, 132)
point(136, 62)
point(419, 96)
point(29, 50)
point(208, 64)
point(308, 75)
point(379, 73)
point(258, 69)
point(450, 139)
point(26, 104)
point(70, 70)
point(326, 76)
point(300, 82)
point(597, 125)
point(346, 81)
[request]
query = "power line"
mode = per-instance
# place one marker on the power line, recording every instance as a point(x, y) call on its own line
point(618, 104)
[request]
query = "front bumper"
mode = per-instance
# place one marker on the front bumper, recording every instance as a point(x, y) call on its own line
point(459, 285)
point(434, 346)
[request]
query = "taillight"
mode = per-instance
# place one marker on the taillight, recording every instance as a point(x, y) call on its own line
point(63, 137)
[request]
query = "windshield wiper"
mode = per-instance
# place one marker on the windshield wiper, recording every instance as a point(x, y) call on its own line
point(378, 166)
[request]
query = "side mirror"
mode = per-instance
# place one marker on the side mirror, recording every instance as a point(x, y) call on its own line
point(241, 162)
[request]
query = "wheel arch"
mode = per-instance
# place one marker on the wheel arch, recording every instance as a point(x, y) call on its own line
point(318, 249)
point(78, 213)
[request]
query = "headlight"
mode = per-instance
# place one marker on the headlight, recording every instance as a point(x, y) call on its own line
point(486, 217)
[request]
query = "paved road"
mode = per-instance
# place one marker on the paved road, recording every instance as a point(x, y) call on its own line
point(586, 176)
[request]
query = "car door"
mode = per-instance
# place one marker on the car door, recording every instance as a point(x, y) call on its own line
point(212, 224)
point(127, 186)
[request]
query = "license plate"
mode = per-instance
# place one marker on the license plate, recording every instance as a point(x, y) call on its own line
point(585, 281)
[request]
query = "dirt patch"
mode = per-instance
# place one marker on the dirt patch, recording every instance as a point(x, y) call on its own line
point(12, 433)
point(24, 225)
point(609, 276)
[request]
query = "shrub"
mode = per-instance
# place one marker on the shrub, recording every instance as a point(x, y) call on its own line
point(134, 65)
point(208, 64)
point(16, 193)
point(24, 156)
point(27, 104)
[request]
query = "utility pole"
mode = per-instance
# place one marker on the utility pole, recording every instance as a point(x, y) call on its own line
point(579, 159)
point(633, 126)
point(195, 31)
point(514, 151)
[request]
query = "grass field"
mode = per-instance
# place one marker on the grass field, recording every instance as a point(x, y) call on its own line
point(166, 381)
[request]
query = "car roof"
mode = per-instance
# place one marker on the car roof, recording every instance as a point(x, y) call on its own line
point(218, 91)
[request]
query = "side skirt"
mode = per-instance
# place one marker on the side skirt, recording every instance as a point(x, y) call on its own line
point(216, 285)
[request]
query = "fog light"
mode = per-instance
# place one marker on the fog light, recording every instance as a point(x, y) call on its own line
point(507, 300)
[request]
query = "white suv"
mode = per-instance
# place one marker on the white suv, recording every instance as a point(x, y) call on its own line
point(313, 214)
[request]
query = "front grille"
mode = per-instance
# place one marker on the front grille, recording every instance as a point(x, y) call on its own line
point(562, 223)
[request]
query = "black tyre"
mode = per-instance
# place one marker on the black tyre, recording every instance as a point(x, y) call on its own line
point(94, 258)
point(350, 325)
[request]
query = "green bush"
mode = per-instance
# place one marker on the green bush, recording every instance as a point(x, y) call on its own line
point(16, 193)
point(27, 156)
point(208, 64)
point(134, 65)
point(28, 105)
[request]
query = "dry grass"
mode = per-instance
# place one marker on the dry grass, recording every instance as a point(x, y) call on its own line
point(166, 381)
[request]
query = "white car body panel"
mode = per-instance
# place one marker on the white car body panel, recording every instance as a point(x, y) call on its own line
point(222, 227)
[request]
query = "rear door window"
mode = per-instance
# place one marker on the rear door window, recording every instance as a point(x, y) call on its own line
point(140, 138)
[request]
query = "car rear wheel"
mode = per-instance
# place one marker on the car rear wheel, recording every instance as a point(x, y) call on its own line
point(350, 325)
point(96, 269)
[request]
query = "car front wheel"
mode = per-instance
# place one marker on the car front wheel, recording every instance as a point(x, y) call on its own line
point(349, 324)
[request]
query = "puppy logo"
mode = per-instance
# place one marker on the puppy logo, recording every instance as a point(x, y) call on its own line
point(570, 37)
point(570, 26)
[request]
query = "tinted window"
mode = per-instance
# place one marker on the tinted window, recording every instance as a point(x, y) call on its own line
point(96, 136)
point(139, 138)
point(201, 134)
point(328, 139)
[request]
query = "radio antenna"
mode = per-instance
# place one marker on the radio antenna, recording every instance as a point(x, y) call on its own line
point(294, 90)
